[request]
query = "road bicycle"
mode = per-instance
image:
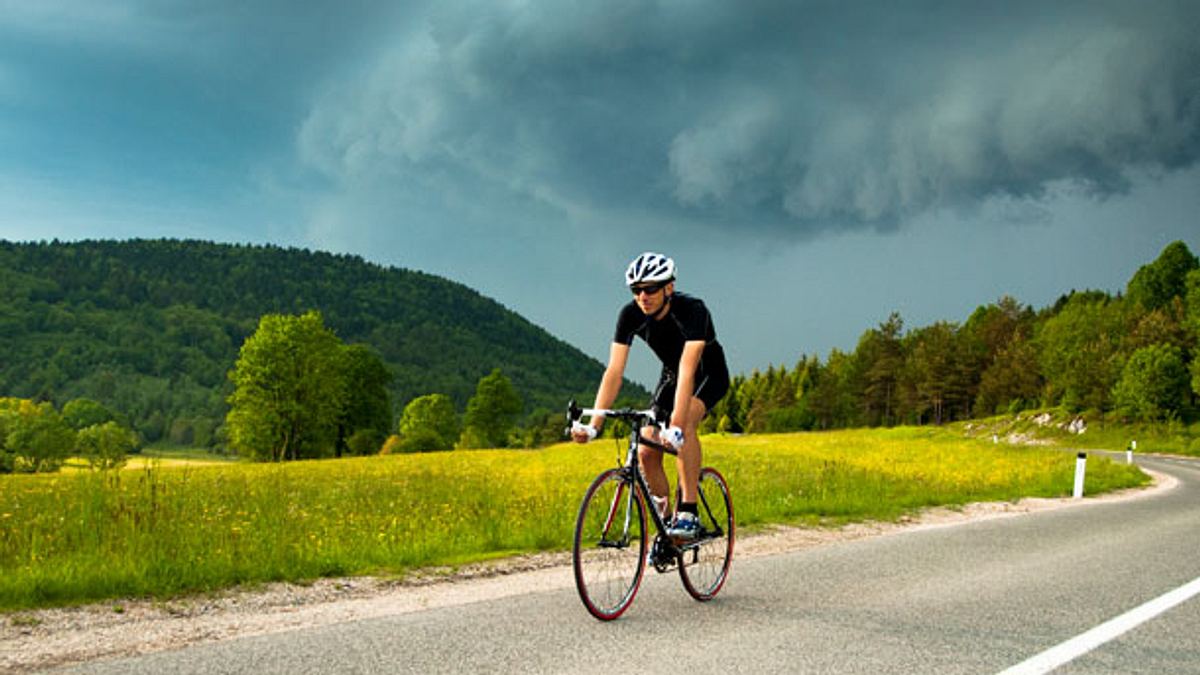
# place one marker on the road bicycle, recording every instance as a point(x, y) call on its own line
point(610, 550)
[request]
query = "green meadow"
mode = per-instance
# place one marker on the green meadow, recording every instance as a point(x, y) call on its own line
point(165, 529)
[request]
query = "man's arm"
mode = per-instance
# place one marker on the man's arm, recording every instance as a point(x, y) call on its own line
point(688, 362)
point(610, 384)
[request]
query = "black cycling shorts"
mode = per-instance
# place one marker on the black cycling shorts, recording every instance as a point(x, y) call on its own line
point(711, 385)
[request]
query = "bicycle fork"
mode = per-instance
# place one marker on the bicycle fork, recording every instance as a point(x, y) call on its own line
point(624, 493)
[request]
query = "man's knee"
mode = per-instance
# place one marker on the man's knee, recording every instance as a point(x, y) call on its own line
point(695, 414)
point(649, 454)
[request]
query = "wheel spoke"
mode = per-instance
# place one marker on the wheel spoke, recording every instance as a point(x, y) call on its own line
point(610, 545)
point(705, 563)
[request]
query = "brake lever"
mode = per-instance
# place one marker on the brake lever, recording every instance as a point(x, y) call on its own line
point(574, 412)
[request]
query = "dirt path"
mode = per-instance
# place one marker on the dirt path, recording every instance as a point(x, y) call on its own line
point(36, 640)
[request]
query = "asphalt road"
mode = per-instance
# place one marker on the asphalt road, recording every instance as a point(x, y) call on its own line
point(979, 597)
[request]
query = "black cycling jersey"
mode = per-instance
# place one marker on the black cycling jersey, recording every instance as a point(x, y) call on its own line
point(687, 319)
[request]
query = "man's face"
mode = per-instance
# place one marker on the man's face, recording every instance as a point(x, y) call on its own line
point(650, 298)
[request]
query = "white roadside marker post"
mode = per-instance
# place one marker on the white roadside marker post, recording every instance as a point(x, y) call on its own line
point(1129, 452)
point(1080, 470)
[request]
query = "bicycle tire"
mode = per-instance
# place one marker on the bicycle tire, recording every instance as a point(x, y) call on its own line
point(609, 551)
point(704, 566)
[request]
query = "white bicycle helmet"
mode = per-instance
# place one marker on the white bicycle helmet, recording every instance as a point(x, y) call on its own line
point(650, 268)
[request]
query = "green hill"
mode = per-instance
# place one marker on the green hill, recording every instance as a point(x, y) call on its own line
point(151, 328)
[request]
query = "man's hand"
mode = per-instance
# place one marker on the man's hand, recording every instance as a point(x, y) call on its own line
point(674, 437)
point(582, 433)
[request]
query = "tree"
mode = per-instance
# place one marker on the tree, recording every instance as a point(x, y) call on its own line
point(1079, 351)
point(933, 366)
point(289, 390)
point(835, 400)
point(1191, 323)
point(1012, 380)
point(1156, 284)
point(367, 416)
point(491, 413)
point(1161, 325)
point(106, 445)
point(543, 427)
point(1153, 384)
point(36, 437)
point(428, 423)
point(991, 327)
point(880, 355)
point(1191, 306)
point(81, 413)
point(766, 393)
point(988, 333)
point(9, 408)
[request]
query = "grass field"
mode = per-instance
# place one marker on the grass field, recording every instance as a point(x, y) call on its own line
point(165, 529)
point(156, 460)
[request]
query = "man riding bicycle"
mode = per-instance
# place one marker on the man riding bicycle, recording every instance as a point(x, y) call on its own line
point(679, 329)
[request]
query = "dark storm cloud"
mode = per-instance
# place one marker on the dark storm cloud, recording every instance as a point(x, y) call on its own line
point(798, 115)
point(208, 85)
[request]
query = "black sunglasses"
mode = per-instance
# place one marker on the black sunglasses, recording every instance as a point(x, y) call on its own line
point(649, 289)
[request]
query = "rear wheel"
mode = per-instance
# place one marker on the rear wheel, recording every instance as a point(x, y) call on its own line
point(609, 553)
point(704, 565)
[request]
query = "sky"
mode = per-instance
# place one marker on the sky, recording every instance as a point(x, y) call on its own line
point(811, 166)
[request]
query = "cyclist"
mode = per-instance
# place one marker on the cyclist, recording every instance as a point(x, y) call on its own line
point(679, 329)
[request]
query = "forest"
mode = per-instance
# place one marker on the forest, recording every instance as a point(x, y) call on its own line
point(151, 329)
point(1131, 356)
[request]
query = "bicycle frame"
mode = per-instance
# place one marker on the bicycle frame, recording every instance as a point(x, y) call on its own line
point(640, 419)
point(611, 539)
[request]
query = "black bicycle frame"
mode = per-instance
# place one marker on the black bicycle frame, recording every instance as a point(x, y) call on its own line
point(632, 465)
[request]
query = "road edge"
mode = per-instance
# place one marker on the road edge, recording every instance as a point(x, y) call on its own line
point(41, 639)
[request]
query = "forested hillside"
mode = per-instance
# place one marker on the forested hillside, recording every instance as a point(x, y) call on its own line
point(1132, 356)
point(152, 328)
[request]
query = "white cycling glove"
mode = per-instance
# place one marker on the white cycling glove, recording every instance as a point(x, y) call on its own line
point(674, 437)
point(585, 428)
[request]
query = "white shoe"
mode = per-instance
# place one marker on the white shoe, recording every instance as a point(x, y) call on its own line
point(685, 526)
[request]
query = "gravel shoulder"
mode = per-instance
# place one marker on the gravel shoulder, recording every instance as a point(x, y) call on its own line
point(37, 640)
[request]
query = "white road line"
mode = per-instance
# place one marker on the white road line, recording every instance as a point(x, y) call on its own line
point(1086, 642)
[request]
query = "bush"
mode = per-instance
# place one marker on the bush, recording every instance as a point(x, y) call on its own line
point(391, 446)
point(422, 440)
point(364, 442)
point(429, 423)
point(82, 413)
point(105, 446)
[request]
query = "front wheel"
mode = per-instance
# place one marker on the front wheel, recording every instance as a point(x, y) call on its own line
point(609, 553)
point(704, 564)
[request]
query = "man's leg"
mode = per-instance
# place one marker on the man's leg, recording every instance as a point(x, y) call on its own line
point(689, 462)
point(652, 466)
